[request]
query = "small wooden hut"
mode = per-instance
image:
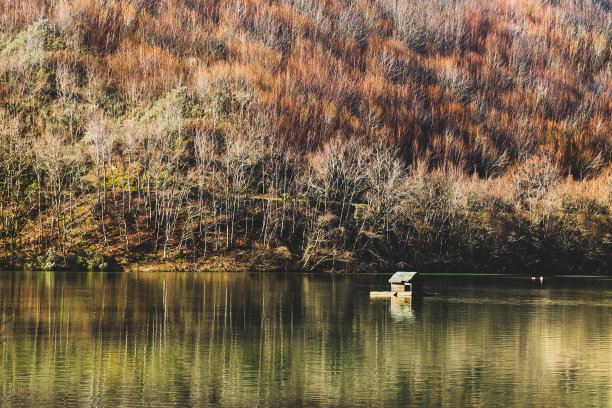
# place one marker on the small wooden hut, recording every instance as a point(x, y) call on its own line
point(405, 281)
point(403, 284)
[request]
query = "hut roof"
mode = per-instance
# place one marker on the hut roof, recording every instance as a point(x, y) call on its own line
point(401, 277)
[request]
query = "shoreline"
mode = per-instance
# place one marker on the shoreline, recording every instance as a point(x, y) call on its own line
point(433, 275)
point(232, 264)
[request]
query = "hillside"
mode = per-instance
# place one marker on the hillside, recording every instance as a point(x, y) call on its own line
point(334, 135)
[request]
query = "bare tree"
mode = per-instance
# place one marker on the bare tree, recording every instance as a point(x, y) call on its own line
point(242, 156)
point(337, 181)
point(98, 143)
point(164, 148)
point(205, 144)
point(58, 168)
point(15, 177)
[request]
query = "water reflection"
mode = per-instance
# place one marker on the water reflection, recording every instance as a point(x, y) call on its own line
point(301, 340)
point(401, 309)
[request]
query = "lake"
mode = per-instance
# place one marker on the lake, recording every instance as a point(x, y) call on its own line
point(149, 339)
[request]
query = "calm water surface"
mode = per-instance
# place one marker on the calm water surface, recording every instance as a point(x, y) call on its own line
point(123, 339)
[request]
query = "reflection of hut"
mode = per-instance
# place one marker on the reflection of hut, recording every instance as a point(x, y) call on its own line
point(401, 309)
point(405, 282)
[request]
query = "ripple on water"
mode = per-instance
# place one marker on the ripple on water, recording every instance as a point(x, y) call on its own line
point(300, 340)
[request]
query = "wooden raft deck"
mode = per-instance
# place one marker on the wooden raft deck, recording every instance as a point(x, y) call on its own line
point(390, 294)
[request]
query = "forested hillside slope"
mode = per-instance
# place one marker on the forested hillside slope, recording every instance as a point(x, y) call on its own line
point(315, 134)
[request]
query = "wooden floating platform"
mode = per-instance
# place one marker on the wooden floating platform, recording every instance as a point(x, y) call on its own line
point(402, 285)
point(390, 294)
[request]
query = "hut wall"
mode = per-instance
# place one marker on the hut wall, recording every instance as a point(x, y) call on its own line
point(398, 287)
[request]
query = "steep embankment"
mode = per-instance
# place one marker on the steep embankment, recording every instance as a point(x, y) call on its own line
point(306, 134)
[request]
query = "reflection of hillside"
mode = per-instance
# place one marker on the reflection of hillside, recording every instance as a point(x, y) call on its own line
point(240, 339)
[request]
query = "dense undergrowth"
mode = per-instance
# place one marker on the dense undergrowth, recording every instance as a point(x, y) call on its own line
point(333, 135)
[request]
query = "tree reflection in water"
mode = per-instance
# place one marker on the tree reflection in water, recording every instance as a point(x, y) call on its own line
point(105, 339)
